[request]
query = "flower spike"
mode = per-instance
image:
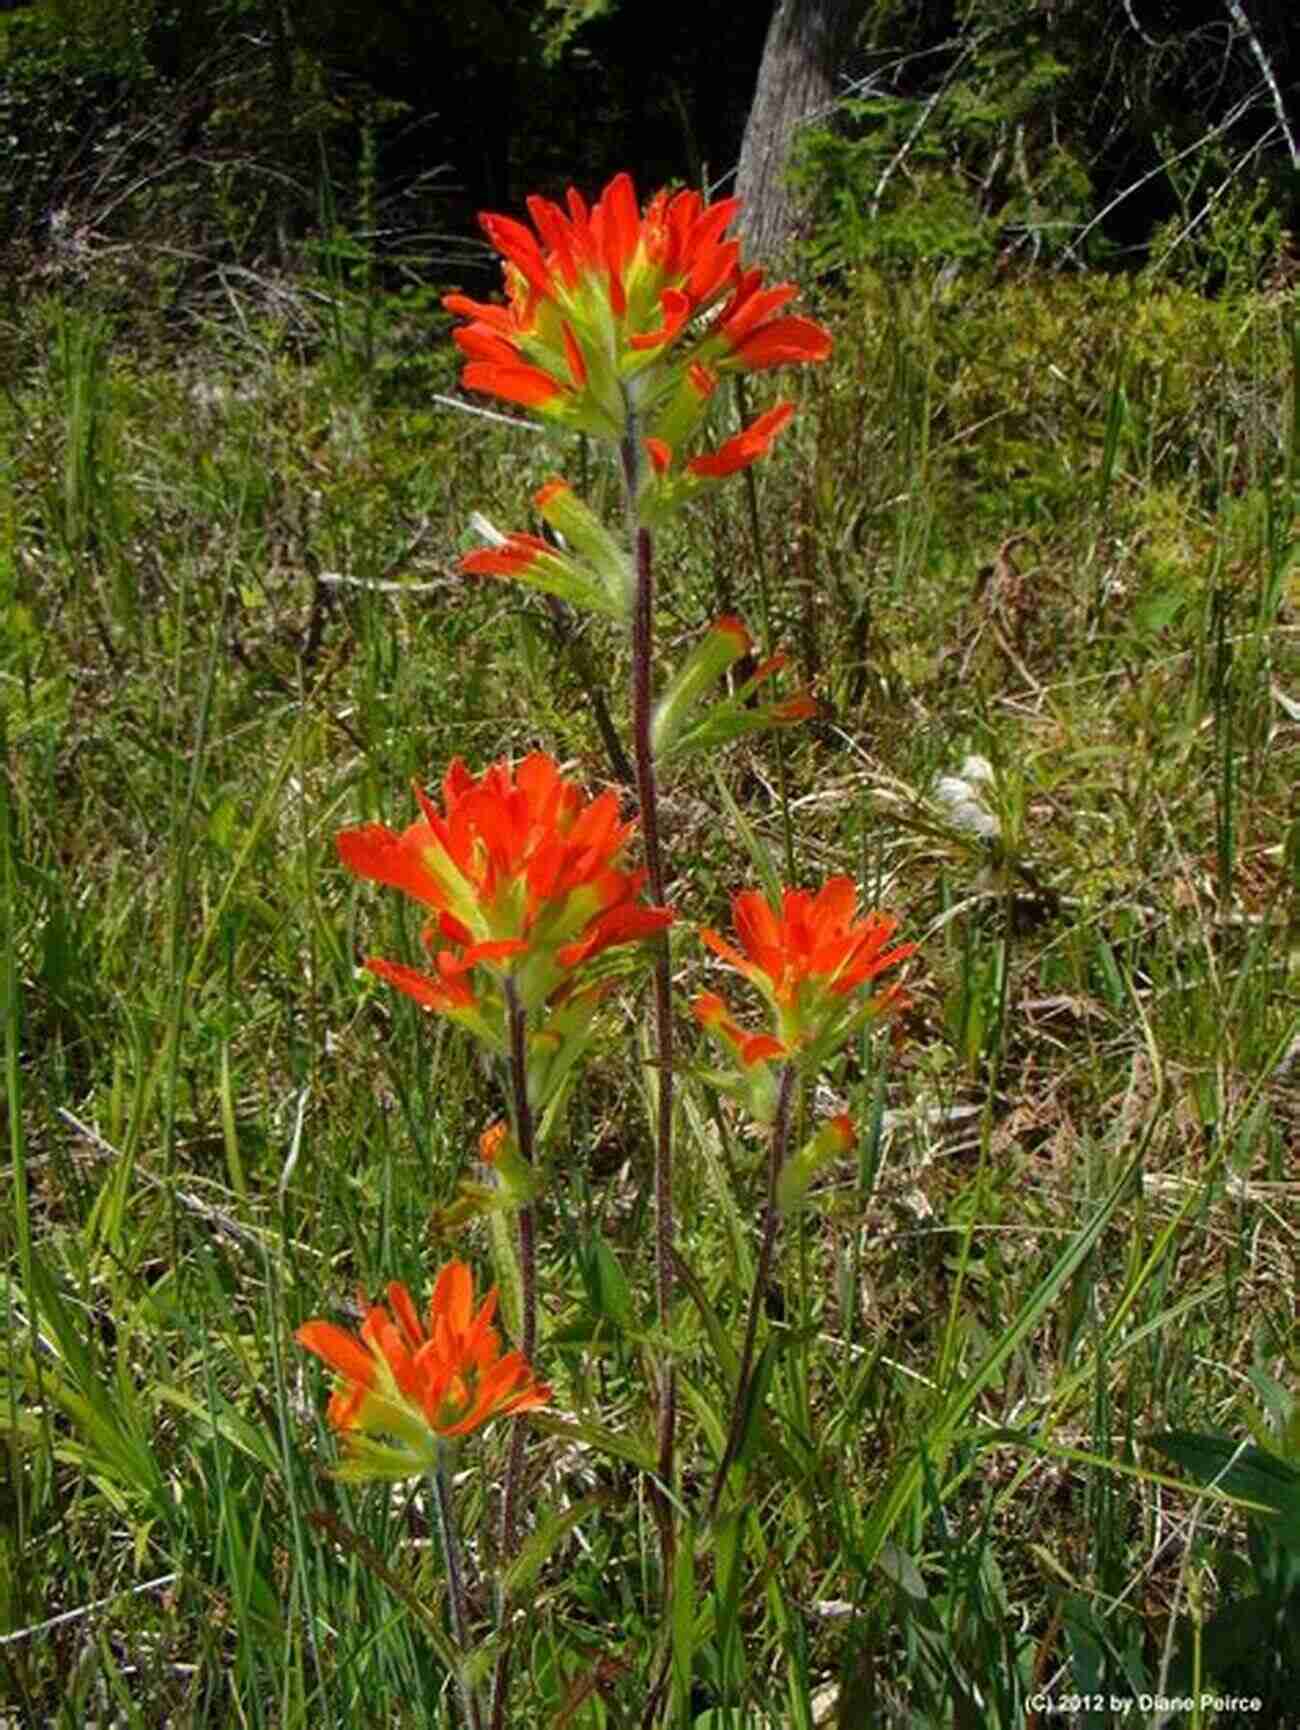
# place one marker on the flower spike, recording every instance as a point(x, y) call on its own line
point(680, 728)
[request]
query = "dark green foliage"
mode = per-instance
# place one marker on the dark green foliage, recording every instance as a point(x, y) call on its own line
point(1251, 1644)
point(134, 172)
point(198, 132)
point(1065, 132)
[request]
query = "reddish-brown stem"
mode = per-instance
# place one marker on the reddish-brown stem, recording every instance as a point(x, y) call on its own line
point(771, 1223)
point(648, 798)
point(522, 1112)
point(455, 1582)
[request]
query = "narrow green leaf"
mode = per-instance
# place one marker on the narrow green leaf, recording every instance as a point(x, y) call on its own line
point(613, 1295)
point(541, 1544)
point(705, 1138)
point(759, 1382)
point(250, 1439)
point(724, 1351)
point(615, 1444)
point(115, 1448)
point(706, 1413)
point(683, 1618)
point(427, 1614)
point(906, 1478)
point(1245, 1471)
point(728, 1560)
point(759, 853)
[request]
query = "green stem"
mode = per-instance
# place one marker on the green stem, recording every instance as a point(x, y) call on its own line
point(522, 1112)
point(580, 661)
point(447, 1531)
point(771, 1222)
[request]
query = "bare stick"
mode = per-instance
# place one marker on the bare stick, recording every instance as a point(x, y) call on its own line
point(1270, 78)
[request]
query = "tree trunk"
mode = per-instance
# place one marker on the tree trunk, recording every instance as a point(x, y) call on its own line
point(282, 97)
point(805, 45)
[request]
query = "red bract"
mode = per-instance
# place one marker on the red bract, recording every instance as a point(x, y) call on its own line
point(529, 386)
point(751, 1048)
point(756, 339)
point(746, 447)
point(517, 554)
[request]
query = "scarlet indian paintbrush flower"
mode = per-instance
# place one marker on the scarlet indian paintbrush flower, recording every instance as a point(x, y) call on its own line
point(812, 947)
point(418, 1383)
point(522, 876)
point(610, 308)
point(808, 958)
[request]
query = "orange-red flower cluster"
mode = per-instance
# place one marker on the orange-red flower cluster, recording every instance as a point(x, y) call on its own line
point(522, 875)
point(813, 941)
point(807, 958)
point(417, 1382)
point(599, 295)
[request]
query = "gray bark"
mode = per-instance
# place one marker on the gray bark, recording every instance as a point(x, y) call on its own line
point(806, 42)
